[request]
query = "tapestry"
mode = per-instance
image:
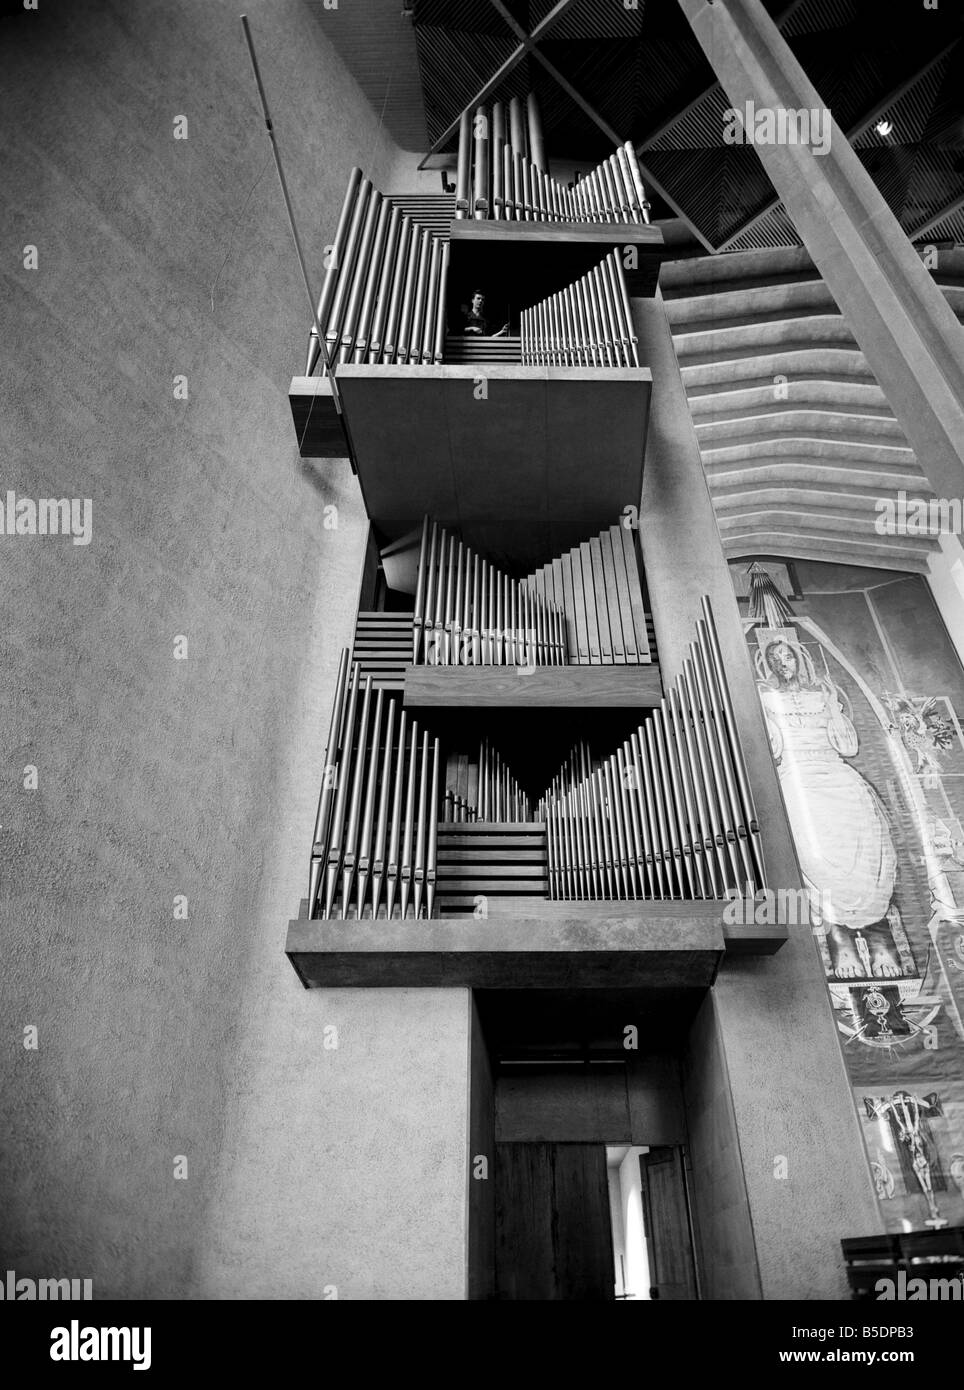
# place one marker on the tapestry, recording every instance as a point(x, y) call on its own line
point(861, 689)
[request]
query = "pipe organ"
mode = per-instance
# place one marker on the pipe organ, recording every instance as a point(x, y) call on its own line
point(588, 324)
point(598, 586)
point(469, 613)
point(502, 173)
point(652, 801)
point(483, 790)
point(377, 822)
point(383, 296)
point(669, 814)
point(584, 608)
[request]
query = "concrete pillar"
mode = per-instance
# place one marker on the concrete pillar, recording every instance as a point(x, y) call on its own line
point(946, 579)
point(777, 1038)
point(905, 327)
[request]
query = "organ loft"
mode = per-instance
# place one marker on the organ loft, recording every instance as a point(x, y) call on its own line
point(547, 773)
point(537, 784)
point(483, 809)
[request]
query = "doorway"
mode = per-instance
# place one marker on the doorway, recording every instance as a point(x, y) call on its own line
point(592, 1223)
point(568, 1086)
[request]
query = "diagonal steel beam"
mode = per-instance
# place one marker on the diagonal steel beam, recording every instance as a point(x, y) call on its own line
point(853, 133)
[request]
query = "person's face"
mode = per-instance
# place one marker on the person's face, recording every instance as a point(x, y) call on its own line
point(478, 303)
point(783, 661)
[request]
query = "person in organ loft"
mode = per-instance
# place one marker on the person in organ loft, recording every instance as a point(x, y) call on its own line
point(842, 837)
point(475, 324)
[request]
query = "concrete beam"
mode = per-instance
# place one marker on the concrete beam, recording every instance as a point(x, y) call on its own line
point(777, 1033)
point(905, 327)
point(522, 944)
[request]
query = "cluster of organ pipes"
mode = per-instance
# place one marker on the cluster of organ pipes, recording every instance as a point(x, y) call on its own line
point(383, 295)
point(483, 790)
point(500, 798)
point(670, 814)
point(377, 821)
point(502, 173)
point(599, 588)
point(587, 324)
point(471, 614)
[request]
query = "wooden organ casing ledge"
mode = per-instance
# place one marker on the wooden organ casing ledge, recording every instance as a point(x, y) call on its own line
point(535, 687)
point(529, 944)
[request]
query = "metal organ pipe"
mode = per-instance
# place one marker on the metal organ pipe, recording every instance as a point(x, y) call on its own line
point(480, 189)
point(462, 174)
point(360, 276)
point(669, 814)
point(331, 271)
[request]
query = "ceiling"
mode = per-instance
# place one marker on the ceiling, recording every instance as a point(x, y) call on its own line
point(798, 474)
point(603, 72)
point(797, 439)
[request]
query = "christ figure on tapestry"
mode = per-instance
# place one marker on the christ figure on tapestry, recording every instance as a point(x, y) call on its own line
point(839, 826)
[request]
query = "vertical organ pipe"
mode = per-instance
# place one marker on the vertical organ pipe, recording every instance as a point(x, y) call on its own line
point(537, 153)
point(359, 277)
point(333, 267)
point(462, 174)
point(372, 279)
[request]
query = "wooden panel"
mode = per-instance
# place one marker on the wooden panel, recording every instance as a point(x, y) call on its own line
point(520, 943)
point(606, 687)
point(468, 349)
point(479, 862)
point(383, 647)
point(588, 1105)
point(665, 1213)
point(552, 1223)
point(639, 1102)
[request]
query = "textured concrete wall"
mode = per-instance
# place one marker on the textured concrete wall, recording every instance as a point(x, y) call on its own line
point(481, 1190)
point(791, 1097)
point(724, 1230)
point(160, 777)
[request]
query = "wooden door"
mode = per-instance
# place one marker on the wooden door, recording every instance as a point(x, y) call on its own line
point(552, 1223)
point(669, 1240)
